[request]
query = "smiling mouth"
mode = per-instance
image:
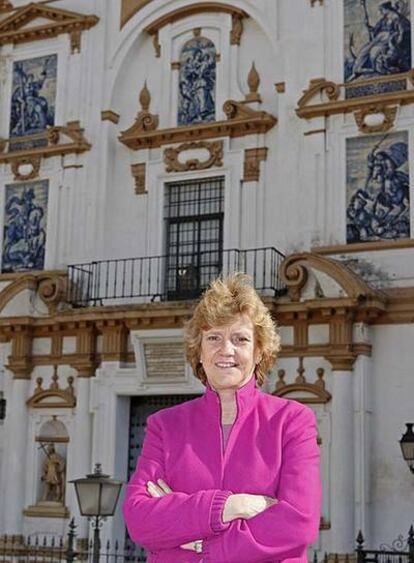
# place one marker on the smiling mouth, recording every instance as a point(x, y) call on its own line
point(225, 365)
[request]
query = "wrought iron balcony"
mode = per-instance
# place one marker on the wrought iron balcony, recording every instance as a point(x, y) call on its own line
point(168, 278)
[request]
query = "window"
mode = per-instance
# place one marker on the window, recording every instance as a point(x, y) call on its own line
point(2, 407)
point(194, 235)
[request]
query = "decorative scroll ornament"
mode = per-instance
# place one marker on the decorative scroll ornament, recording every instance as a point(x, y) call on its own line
point(52, 290)
point(215, 150)
point(375, 119)
point(21, 27)
point(54, 397)
point(303, 391)
point(26, 168)
point(319, 86)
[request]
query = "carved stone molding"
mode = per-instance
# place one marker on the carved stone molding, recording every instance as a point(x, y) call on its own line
point(55, 396)
point(280, 87)
point(131, 7)
point(252, 160)
point(26, 168)
point(236, 29)
point(241, 121)
point(171, 156)
point(388, 113)
point(138, 173)
point(114, 343)
point(109, 115)
point(58, 141)
point(200, 8)
point(85, 361)
point(324, 98)
point(17, 27)
point(5, 6)
point(312, 393)
point(20, 359)
point(364, 246)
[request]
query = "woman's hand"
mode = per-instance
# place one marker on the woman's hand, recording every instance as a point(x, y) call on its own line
point(160, 489)
point(246, 506)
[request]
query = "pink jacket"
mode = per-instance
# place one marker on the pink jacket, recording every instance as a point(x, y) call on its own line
point(272, 450)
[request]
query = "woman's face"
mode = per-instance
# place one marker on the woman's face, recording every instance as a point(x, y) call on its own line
point(228, 354)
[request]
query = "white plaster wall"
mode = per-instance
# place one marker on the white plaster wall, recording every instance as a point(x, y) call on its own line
point(392, 492)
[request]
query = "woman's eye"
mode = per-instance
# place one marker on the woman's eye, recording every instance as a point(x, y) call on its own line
point(212, 338)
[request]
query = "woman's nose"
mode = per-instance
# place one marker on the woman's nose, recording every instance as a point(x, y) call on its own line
point(227, 346)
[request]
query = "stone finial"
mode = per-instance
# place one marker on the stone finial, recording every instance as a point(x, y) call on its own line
point(281, 379)
point(145, 98)
point(300, 378)
point(55, 379)
point(253, 82)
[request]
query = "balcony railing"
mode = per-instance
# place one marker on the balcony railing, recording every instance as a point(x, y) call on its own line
point(167, 278)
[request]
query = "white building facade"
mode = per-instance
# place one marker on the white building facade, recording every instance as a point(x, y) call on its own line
point(146, 147)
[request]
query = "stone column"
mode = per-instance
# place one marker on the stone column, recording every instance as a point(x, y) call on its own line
point(13, 494)
point(16, 429)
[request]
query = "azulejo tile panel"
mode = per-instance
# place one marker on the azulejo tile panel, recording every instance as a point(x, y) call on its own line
point(197, 82)
point(33, 98)
point(25, 223)
point(378, 188)
point(377, 43)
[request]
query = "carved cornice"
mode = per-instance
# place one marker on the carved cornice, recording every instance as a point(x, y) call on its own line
point(324, 97)
point(215, 158)
point(58, 141)
point(16, 27)
point(198, 8)
point(54, 397)
point(241, 121)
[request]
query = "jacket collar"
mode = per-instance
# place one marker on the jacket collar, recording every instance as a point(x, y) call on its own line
point(246, 397)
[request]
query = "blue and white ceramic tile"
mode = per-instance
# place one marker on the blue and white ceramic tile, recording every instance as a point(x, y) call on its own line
point(33, 97)
point(378, 188)
point(377, 43)
point(197, 82)
point(25, 222)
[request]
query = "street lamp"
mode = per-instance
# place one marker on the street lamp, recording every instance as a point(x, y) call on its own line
point(407, 445)
point(97, 496)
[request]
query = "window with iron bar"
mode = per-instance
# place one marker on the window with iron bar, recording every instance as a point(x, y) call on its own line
point(193, 214)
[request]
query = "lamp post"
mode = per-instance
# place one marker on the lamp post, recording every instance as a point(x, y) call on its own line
point(407, 445)
point(97, 496)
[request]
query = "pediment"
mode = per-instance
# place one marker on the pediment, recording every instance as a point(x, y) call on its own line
point(36, 21)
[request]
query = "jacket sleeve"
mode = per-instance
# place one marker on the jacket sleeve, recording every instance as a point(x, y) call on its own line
point(177, 518)
point(285, 529)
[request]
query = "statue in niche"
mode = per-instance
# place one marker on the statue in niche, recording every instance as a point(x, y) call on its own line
point(197, 81)
point(53, 477)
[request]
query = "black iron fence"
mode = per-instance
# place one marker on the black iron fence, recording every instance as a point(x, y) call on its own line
point(46, 549)
point(167, 278)
point(400, 551)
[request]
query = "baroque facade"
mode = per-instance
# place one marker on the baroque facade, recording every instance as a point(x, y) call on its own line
point(145, 147)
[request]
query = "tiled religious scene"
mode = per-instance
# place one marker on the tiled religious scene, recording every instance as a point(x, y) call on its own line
point(197, 82)
point(378, 188)
point(25, 220)
point(377, 43)
point(33, 98)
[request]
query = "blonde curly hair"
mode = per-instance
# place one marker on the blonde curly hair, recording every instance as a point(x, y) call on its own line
point(221, 303)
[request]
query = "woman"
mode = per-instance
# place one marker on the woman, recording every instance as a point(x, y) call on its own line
point(232, 476)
